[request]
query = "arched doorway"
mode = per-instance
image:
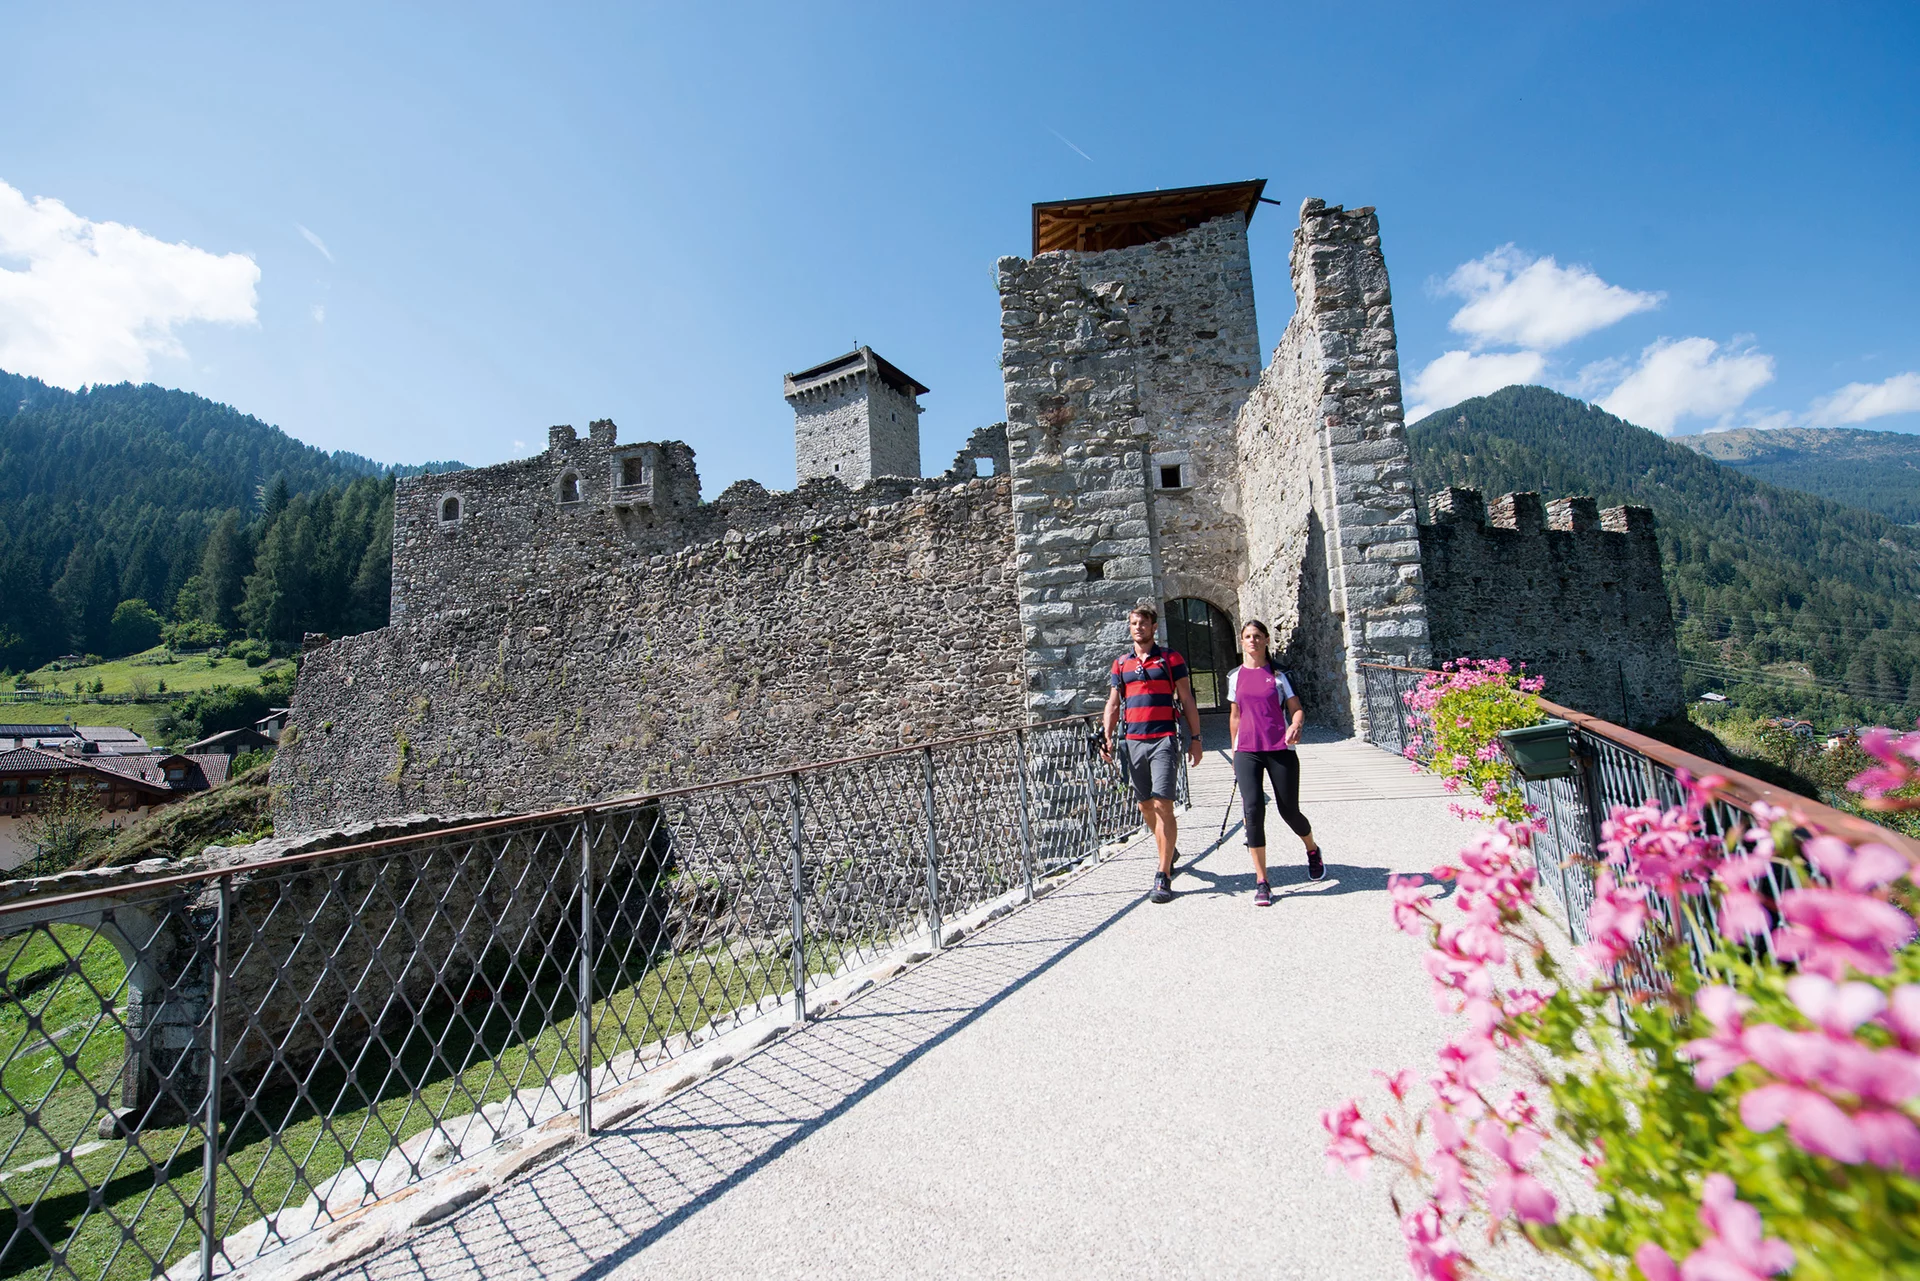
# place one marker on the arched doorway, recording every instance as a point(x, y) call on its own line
point(1204, 637)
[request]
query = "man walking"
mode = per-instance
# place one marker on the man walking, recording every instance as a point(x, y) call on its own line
point(1144, 685)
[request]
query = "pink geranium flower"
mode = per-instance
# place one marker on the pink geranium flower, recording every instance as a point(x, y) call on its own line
point(1717, 1055)
point(1349, 1149)
point(1814, 1122)
point(1512, 1189)
point(1903, 1015)
point(1829, 930)
point(1737, 1250)
point(1614, 920)
point(1431, 1253)
point(1410, 902)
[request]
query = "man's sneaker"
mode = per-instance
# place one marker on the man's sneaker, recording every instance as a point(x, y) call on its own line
point(1262, 894)
point(1162, 888)
point(1316, 868)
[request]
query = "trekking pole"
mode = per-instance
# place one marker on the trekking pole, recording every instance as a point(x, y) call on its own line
point(1231, 793)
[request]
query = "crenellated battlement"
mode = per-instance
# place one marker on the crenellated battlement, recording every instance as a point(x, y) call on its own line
point(1524, 513)
point(1565, 587)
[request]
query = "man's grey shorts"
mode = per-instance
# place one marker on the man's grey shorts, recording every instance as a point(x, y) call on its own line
point(1152, 766)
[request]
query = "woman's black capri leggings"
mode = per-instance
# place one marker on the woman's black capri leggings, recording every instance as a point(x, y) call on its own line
point(1284, 769)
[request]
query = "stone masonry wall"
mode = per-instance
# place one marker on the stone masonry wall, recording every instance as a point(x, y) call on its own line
point(793, 643)
point(1077, 448)
point(1573, 592)
point(1115, 364)
point(517, 531)
point(1333, 553)
point(1196, 344)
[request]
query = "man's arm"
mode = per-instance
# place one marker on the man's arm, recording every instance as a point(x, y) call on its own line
point(1108, 719)
point(1183, 690)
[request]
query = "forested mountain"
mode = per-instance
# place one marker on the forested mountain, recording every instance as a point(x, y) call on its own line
point(1796, 603)
point(1877, 470)
point(163, 507)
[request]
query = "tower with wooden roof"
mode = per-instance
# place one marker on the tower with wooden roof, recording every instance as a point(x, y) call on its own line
point(855, 417)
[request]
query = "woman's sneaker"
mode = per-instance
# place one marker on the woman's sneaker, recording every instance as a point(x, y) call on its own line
point(1162, 888)
point(1262, 894)
point(1316, 867)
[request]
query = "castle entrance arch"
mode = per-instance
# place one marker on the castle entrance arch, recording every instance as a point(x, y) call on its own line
point(1203, 635)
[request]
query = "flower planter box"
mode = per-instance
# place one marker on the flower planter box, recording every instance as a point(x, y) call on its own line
point(1540, 751)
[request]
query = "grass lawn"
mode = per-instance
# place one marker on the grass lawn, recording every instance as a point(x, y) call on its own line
point(142, 718)
point(182, 676)
point(62, 1061)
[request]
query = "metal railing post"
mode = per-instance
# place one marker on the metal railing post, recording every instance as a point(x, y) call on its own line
point(933, 851)
point(1026, 839)
point(799, 903)
point(1093, 807)
point(586, 982)
point(211, 1177)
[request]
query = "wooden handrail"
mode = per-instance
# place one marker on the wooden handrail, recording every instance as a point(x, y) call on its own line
point(1741, 790)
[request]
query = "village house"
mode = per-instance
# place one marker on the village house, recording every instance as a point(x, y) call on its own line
point(126, 786)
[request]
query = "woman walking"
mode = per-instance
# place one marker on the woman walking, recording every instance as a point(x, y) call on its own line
point(1265, 722)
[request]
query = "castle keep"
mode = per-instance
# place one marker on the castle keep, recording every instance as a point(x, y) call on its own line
point(581, 623)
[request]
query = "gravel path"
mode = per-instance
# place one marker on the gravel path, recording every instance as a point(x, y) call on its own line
point(1094, 1086)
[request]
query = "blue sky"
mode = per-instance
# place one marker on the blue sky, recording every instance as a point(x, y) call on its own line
point(424, 233)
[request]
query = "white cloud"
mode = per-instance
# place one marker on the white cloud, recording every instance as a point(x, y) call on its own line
point(1858, 402)
point(1522, 301)
point(91, 302)
point(519, 444)
point(1459, 375)
point(319, 313)
point(315, 241)
point(1688, 378)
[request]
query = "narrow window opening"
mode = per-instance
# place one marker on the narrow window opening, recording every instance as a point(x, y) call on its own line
point(1170, 476)
point(449, 511)
point(569, 488)
point(983, 466)
point(1096, 570)
point(633, 471)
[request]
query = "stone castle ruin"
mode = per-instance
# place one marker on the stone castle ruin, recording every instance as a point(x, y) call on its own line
point(582, 624)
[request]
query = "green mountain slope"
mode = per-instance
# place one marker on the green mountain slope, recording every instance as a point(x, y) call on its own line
point(1816, 603)
point(1877, 470)
point(125, 493)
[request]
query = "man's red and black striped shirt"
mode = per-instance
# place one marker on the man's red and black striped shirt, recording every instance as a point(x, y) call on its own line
point(1146, 685)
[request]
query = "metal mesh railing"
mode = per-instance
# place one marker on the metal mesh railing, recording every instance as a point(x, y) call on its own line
point(197, 1069)
point(1615, 767)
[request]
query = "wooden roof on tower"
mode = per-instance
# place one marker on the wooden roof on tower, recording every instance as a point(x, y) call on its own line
point(1140, 217)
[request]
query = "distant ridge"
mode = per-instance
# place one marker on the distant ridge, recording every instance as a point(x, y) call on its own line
point(1761, 576)
point(1877, 470)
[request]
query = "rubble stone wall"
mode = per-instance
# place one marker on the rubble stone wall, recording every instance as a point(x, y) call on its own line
point(793, 643)
point(1573, 592)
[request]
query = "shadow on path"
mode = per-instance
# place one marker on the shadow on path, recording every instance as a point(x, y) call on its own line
point(591, 1213)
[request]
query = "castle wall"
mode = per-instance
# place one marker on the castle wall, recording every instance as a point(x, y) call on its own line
point(1333, 557)
point(1116, 364)
point(1574, 593)
point(793, 643)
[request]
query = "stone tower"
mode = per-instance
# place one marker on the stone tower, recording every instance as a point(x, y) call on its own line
point(854, 418)
point(1129, 346)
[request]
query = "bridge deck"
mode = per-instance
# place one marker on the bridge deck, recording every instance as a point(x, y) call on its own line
point(1093, 1086)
